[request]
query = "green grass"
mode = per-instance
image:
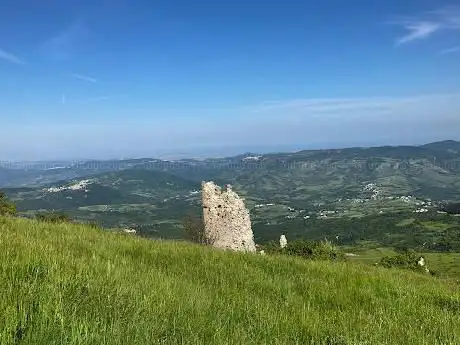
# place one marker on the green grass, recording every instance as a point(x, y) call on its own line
point(436, 226)
point(445, 265)
point(70, 284)
point(406, 222)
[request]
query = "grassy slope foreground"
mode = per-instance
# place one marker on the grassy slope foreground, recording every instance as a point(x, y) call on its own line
point(70, 284)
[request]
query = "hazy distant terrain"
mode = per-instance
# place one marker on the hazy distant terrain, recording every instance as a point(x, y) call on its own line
point(280, 188)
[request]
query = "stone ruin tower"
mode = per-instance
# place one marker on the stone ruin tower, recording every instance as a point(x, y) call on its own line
point(226, 219)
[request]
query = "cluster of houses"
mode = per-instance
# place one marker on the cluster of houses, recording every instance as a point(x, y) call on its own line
point(251, 158)
point(81, 185)
point(263, 205)
point(372, 188)
point(423, 206)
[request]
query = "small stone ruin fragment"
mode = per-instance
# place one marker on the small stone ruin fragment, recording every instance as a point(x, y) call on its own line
point(283, 241)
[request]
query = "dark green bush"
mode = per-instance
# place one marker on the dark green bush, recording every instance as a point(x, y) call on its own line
point(194, 230)
point(271, 247)
point(7, 208)
point(53, 217)
point(405, 260)
point(312, 250)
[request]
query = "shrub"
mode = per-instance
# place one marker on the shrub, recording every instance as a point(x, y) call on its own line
point(7, 208)
point(406, 260)
point(312, 250)
point(53, 217)
point(271, 247)
point(194, 230)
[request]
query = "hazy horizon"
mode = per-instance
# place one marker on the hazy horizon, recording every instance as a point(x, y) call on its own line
point(226, 151)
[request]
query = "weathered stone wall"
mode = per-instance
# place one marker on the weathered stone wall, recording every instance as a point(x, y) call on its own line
point(226, 219)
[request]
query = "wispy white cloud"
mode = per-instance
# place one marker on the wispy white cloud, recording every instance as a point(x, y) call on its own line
point(429, 23)
point(450, 51)
point(341, 106)
point(63, 45)
point(83, 77)
point(449, 16)
point(417, 31)
point(4, 55)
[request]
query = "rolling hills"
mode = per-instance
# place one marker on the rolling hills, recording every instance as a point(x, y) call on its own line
point(154, 195)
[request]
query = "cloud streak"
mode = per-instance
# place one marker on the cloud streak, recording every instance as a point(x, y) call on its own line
point(6, 56)
point(343, 106)
point(83, 77)
point(429, 23)
point(64, 44)
point(449, 16)
point(417, 31)
point(450, 51)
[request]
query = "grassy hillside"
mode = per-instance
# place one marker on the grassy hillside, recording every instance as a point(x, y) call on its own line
point(445, 265)
point(70, 284)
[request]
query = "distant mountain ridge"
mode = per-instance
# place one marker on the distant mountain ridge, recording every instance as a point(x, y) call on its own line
point(299, 178)
point(446, 145)
point(156, 194)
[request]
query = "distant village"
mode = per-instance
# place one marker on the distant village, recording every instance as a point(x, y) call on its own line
point(419, 206)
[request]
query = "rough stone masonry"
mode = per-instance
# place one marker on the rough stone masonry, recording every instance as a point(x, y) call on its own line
point(227, 224)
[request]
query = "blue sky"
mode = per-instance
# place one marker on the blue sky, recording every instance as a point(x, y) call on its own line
point(118, 78)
